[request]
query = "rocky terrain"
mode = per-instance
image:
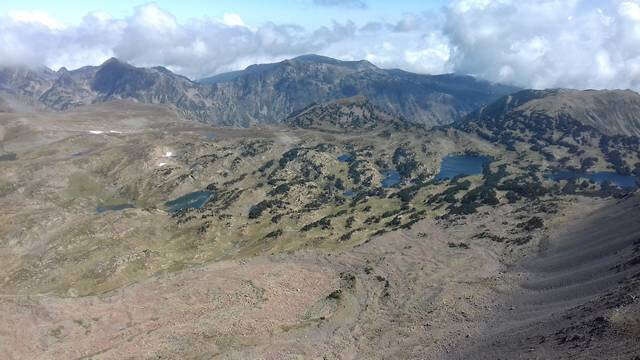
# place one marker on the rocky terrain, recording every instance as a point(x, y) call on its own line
point(260, 94)
point(129, 230)
point(113, 80)
point(272, 91)
point(27, 82)
point(611, 112)
point(576, 298)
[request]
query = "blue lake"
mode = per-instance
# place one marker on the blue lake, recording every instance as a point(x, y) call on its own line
point(103, 209)
point(391, 179)
point(345, 158)
point(194, 200)
point(623, 181)
point(348, 193)
point(461, 165)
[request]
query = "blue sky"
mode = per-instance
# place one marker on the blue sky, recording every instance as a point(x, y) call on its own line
point(253, 12)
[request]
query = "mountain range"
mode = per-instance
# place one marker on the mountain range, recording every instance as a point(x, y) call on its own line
point(290, 90)
point(260, 94)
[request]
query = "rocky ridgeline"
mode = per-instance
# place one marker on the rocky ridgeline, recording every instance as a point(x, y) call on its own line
point(259, 94)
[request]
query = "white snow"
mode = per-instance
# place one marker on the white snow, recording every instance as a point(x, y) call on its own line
point(99, 132)
point(168, 154)
point(162, 164)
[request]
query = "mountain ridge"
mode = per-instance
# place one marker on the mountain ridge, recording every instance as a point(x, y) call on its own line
point(294, 83)
point(611, 112)
point(262, 93)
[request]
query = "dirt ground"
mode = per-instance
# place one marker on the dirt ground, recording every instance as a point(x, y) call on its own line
point(404, 295)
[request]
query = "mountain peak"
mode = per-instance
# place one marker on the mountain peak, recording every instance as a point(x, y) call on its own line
point(320, 59)
point(113, 60)
point(314, 58)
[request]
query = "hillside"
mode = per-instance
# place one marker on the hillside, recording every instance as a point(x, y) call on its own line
point(351, 115)
point(559, 128)
point(611, 112)
point(577, 296)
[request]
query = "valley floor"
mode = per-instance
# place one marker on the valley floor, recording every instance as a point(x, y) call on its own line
point(406, 294)
point(554, 276)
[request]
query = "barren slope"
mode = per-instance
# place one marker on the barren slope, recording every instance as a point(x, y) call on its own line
point(577, 298)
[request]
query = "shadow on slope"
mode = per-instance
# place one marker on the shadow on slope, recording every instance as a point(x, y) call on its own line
point(578, 298)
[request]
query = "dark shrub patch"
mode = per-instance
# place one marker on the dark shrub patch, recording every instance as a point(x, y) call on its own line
point(531, 224)
point(274, 234)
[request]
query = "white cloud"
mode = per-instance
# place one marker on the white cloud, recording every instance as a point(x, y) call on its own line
point(463, 6)
point(36, 18)
point(630, 9)
point(531, 43)
point(232, 20)
point(153, 18)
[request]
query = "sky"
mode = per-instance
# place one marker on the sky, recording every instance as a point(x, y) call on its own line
point(529, 43)
point(306, 13)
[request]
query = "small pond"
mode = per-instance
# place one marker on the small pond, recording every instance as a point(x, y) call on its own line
point(348, 193)
point(391, 179)
point(8, 157)
point(82, 153)
point(461, 165)
point(194, 200)
point(345, 158)
point(623, 181)
point(118, 207)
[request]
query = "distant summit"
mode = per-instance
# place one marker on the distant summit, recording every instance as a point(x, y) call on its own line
point(117, 80)
point(300, 61)
point(269, 92)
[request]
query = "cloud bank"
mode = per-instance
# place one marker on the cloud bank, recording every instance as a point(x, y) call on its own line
point(530, 43)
